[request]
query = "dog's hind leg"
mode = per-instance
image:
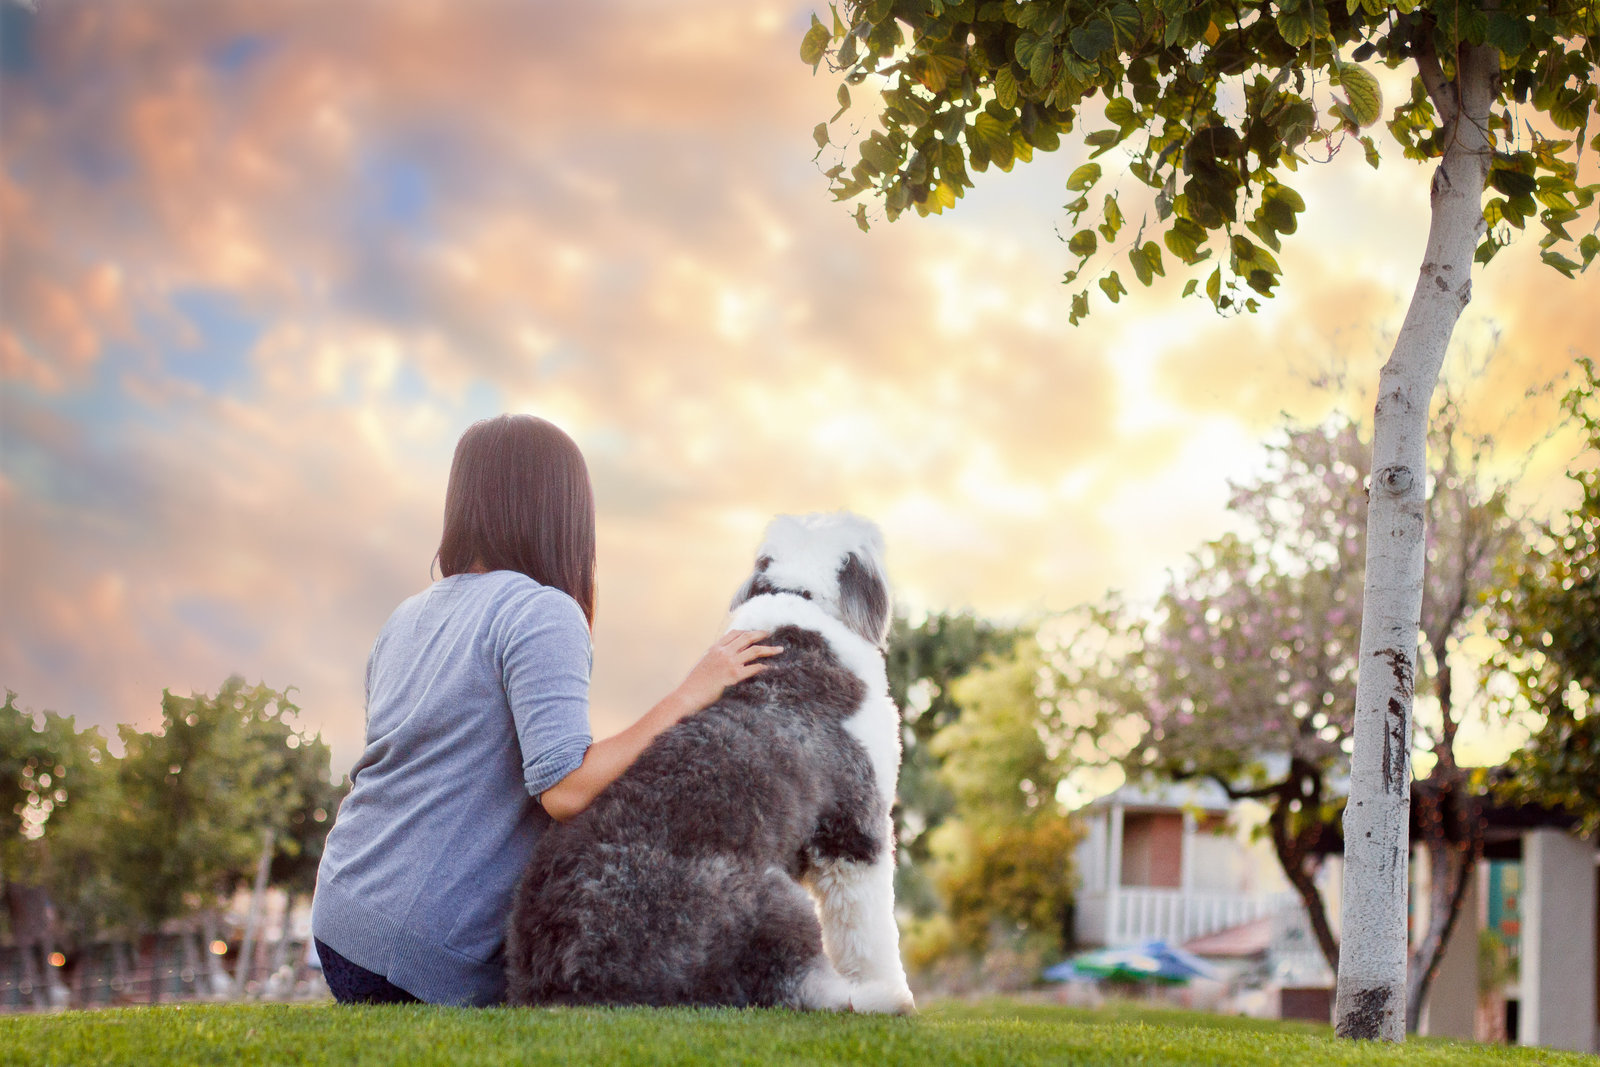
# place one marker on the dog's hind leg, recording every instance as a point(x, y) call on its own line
point(856, 903)
point(782, 962)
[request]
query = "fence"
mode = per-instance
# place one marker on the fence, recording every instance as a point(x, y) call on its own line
point(165, 967)
point(1131, 914)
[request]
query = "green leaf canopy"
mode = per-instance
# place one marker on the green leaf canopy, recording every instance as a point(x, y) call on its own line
point(1212, 105)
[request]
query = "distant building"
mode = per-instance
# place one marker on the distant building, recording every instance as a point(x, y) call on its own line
point(1160, 862)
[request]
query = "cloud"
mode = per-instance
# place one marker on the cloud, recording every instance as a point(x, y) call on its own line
point(264, 263)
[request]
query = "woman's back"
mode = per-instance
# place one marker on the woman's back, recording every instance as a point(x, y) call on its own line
point(477, 701)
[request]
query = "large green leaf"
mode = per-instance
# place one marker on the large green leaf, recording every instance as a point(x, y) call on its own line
point(1121, 111)
point(941, 70)
point(1037, 54)
point(1146, 260)
point(1511, 33)
point(1512, 182)
point(995, 136)
point(1126, 23)
point(1184, 239)
point(1083, 177)
point(1113, 218)
point(878, 152)
point(1362, 92)
point(1005, 87)
point(1295, 26)
point(1279, 205)
point(1092, 38)
point(815, 43)
point(1560, 263)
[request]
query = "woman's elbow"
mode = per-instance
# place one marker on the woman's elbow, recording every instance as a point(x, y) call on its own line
point(563, 801)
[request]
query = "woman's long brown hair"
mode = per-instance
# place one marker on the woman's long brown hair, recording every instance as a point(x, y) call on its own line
point(519, 499)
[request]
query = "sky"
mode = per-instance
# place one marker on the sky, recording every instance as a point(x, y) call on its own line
point(261, 264)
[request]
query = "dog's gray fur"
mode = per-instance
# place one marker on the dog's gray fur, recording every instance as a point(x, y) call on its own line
point(681, 882)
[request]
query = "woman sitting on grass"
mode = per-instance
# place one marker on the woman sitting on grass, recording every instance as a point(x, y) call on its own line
point(478, 728)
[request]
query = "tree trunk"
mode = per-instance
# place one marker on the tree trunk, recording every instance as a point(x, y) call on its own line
point(77, 987)
point(258, 895)
point(155, 962)
point(280, 950)
point(32, 986)
point(56, 993)
point(1293, 850)
point(217, 981)
point(121, 972)
point(29, 910)
point(1454, 841)
point(190, 974)
point(1372, 955)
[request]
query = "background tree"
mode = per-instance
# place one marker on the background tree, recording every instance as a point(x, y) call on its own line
point(1469, 532)
point(91, 902)
point(1548, 622)
point(199, 792)
point(299, 847)
point(1215, 103)
point(46, 767)
point(1003, 857)
point(1245, 671)
point(924, 662)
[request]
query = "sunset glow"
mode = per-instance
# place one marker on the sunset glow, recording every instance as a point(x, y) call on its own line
point(263, 263)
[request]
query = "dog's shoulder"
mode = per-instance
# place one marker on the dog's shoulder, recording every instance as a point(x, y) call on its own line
point(806, 676)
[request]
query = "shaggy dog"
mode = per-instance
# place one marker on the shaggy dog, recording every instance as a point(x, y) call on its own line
point(685, 881)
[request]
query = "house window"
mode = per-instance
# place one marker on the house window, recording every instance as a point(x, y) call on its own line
point(1152, 849)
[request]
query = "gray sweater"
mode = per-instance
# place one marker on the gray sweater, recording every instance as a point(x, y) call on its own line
point(477, 702)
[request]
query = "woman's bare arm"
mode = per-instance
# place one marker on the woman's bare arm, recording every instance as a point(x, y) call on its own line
point(735, 657)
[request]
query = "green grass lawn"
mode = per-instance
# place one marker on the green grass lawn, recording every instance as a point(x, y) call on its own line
point(946, 1033)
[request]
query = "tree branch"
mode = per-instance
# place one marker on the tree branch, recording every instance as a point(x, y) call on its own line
point(1249, 794)
point(1440, 90)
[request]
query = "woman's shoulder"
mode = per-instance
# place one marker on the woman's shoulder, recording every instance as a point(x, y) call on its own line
point(513, 596)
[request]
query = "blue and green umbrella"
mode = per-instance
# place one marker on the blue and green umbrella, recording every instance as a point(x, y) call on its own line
point(1150, 961)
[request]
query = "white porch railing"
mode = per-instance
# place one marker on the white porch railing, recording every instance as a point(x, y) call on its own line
point(1131, 914)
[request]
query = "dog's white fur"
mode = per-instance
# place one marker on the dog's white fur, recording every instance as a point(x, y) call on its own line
point(855, 901)
point(797, 863)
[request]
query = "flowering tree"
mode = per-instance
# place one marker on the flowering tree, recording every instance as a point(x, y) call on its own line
point(1469, 533)
point(1215, 104)
point(1548, 620)
point(1246, 670)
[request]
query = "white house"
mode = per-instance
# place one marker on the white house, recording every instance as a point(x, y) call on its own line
point(1158, 862)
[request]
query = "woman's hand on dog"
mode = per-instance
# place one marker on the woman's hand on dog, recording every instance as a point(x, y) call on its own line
point(737, 655)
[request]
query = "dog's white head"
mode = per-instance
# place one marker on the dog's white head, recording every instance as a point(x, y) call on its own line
point(833, 559)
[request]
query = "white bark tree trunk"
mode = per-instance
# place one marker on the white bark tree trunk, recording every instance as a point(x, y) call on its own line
point(1371, 998)
point(217, 980)
point(280, 950)
point(258, 895)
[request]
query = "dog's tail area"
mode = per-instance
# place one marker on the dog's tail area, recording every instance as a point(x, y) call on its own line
point(618, 925)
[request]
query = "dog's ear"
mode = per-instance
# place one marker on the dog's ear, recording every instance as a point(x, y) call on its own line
point(864, 600)
point(748, 589)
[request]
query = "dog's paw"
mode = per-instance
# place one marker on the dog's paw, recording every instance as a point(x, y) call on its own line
point(824, 990)
point(882, 998)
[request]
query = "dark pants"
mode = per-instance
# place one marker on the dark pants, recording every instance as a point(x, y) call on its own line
point(352, 983)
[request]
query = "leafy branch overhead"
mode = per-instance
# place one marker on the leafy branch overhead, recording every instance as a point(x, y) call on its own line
point(1213, 104)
